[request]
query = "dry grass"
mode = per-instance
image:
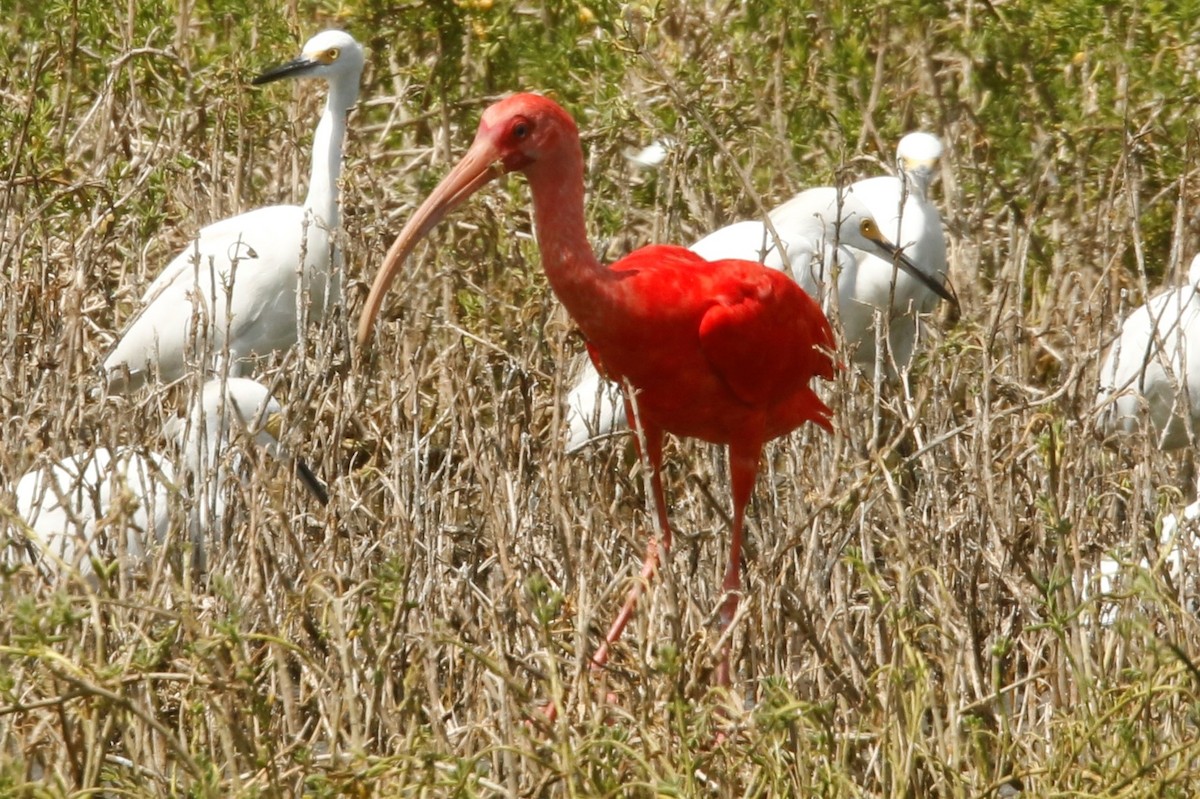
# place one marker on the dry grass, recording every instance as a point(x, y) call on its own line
point(913, 624)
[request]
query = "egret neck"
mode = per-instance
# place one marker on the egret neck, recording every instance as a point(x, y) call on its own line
point(322, 197)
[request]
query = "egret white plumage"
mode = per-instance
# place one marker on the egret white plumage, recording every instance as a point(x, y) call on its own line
point(901, 206)
point(1178, 543)
point(232, 293)
point(109, 504)
point(867, 284)
point(653, 154)
point(1152, 370)
point(819, 231)
point(226, 410)
point(99, 504)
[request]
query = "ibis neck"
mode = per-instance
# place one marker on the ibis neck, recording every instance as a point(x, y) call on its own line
point(567, 257)
point(322, 197)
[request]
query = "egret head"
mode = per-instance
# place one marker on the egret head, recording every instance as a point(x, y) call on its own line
point(916, 158)
point(233, 408)
point(227, 407)
point(857, 228)
point(331, 55)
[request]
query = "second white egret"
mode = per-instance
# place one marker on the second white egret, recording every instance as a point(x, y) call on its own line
point(1177, 552)
point(875, 288)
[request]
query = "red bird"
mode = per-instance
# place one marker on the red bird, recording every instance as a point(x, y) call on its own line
point(721, 351)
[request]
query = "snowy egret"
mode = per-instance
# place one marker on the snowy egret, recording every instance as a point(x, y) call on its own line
point(226, 410)
point(653, 154)
point(1178, 543)
point(232, 293)
point(868, 284)
point(100, 504)
point(113, 504)
point(905, 214)
point(819, 230)
point(1153, 368)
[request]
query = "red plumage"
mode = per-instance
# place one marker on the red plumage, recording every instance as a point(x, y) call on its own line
point(722, 351)
point(719, 351)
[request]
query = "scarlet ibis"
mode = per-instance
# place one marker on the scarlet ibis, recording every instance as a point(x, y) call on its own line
point(723, 351)
point(1152, 370)
point(817, 235)
point(232, 293)
point(105, 503)
point(819, 231)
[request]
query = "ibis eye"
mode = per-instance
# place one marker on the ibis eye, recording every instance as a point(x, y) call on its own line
point(520, 130)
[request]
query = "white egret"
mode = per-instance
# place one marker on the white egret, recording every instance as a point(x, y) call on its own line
point(813, 241)
point(1178, 542)
point(905, 214)
point(114, 504)
point(1153, 368)
point(653, 154)
point(867, 285)
point(99, 504)
point(232, 293)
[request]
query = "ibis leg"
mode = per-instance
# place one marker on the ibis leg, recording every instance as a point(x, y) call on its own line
point(653, 450)
point(743, 469)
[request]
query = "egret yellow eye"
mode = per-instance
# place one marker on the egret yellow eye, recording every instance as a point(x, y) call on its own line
point(332, 54)
point(868, 229)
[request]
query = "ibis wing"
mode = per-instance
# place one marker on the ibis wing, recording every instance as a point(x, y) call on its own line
point(765, 336)
point(597, 363)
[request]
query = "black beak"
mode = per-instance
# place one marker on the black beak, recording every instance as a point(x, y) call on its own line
point(929, 281)
point(296, 66)
point(905, 265)
point(311, 482)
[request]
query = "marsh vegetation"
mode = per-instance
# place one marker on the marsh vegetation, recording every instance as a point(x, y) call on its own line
point(914, 623)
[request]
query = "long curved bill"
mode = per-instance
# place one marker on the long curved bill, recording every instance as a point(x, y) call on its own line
point(896, 255)
point(479, 166)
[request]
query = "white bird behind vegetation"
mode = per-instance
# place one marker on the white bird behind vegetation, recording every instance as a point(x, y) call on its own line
point(818, 231)
point(1115, 581)
point(1152, 370)
point(230, 410)
point(905, 214)
point(235, 292)
point(99, 505)
point(107, 505)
